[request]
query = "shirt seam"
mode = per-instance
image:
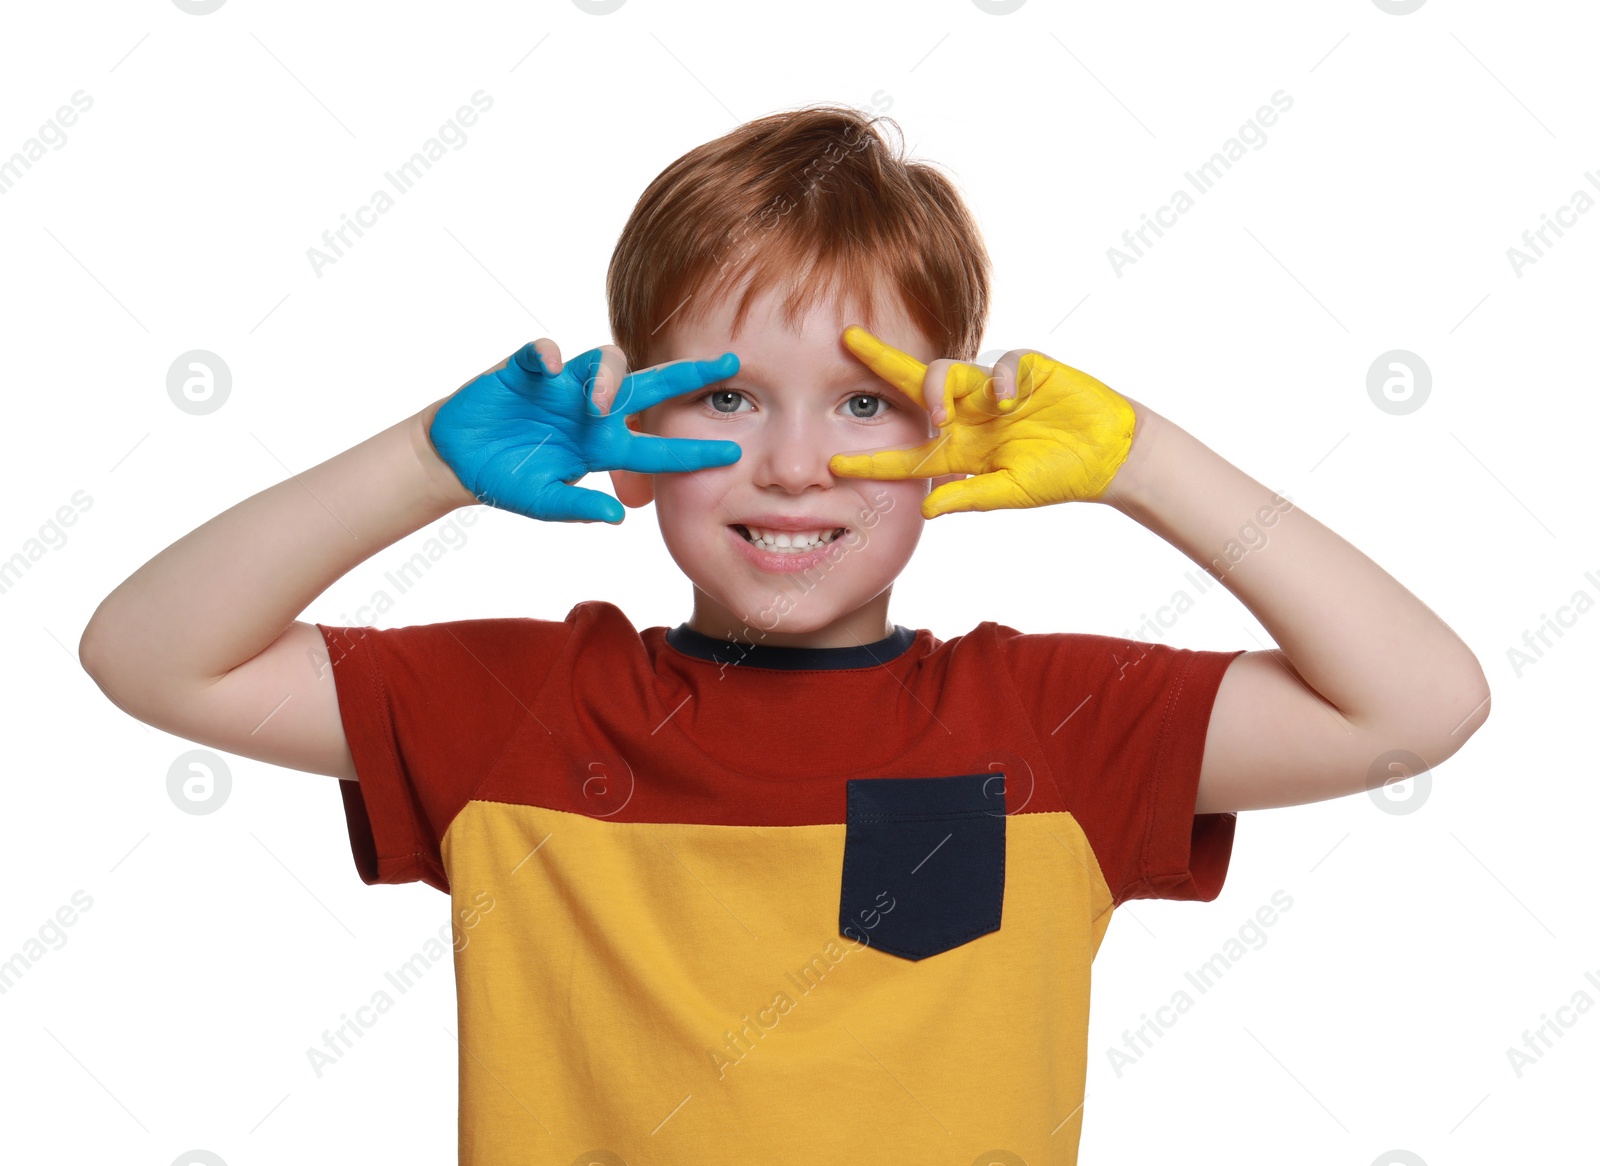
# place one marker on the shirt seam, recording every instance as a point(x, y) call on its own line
point(1160, 785)
point(417, 857)
point(896, 658)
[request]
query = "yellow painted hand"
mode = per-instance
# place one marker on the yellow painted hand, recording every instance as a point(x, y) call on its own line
point(1061, 437)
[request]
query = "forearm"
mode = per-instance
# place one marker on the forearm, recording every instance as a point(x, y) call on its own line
point(1371, 649)
point(229, 588)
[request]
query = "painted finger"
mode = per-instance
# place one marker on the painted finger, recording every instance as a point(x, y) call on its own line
point(900, 369)
point(647, 454)
point(931, 459)
point(651, 386)
point(996, 491)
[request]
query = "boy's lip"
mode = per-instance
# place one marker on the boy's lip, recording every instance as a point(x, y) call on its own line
point(779, 563)
point(790, 522)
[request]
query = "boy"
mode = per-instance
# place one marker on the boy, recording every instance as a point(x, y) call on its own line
point(787, 882)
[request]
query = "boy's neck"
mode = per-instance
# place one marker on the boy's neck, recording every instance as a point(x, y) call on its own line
point(865, 625)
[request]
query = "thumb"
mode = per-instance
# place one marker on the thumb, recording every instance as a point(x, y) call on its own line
point(559, 502)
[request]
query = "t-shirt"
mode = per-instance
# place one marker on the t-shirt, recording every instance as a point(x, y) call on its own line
point(718, 902)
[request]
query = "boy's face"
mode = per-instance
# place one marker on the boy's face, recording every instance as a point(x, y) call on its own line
point(799, 398)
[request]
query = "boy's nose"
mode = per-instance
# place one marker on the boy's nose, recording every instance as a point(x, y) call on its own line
point(793, 456)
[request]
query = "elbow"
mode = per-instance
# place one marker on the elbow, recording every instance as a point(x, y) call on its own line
point(96, 654)
point(97, 644)
point(89, 650)
point(1465, 705)
point(1475, 699)
point(1435, 728)
point(95, 657)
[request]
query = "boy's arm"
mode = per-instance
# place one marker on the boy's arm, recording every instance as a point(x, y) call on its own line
point(203, 641)
point(1366, 672)
point(1365, 667)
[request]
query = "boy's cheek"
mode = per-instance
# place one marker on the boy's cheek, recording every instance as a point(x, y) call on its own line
point(894, 502)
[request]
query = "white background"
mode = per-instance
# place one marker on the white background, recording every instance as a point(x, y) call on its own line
point(218, 948)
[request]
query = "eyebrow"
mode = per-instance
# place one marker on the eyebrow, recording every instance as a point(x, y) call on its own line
point(843, 376)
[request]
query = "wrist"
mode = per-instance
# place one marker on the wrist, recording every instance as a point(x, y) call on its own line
point(442, 481)
point(1125, 489)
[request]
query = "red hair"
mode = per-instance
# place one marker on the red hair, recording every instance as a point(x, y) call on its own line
point(815, 200)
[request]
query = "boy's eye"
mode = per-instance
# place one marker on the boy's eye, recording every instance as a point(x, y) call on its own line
point(718, 397)
point(851, 404)
point(725, 402)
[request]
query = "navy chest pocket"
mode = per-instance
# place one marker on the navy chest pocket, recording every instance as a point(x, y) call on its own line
point(924, 862)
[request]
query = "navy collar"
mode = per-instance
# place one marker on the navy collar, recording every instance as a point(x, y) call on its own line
point(692, 643)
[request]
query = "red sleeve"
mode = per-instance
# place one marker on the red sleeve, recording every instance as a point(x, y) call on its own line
point(426, 711)
point(1123, 726)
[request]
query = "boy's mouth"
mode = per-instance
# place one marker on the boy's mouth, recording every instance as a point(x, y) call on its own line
point(792, 542)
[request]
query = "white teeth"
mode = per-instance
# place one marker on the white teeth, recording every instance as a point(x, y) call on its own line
point(793, 541)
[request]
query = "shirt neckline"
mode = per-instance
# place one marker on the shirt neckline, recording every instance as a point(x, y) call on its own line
point(784, 658)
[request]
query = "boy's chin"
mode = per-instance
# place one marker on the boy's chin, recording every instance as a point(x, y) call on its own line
point(790, 621)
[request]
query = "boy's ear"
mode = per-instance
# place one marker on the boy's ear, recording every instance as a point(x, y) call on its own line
point(633, 489)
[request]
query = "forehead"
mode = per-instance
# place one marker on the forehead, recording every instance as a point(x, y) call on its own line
point(770, 345)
